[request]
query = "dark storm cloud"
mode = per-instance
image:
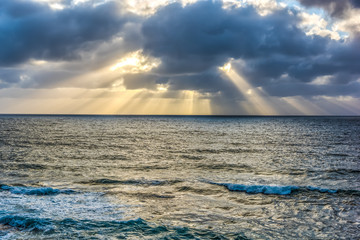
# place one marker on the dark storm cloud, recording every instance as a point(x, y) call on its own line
point(288, 76)
point(340, 59)
point(300, 89)
point(33, 30)
point(202, 35)
point(194, 40)
point(191, 41)
point(211, 81)
point(336, 8)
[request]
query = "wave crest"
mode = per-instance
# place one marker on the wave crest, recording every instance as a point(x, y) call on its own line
point(272, 189)
point(40, 191)
point(26, 223)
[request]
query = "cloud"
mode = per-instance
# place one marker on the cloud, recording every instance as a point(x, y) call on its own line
point(31, 30)
point(293, 76)
point(189, 39)
point(271, 51)
point(192, 41)
point(336, 8)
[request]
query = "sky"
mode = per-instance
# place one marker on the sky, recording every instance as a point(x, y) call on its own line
point(231, 57)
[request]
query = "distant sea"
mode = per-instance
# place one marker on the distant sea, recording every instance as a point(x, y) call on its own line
point(179, 177)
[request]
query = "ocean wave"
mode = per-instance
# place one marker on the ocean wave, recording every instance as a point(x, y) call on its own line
point(31, 166)
point(322, 190)
point(142, 195)
point(272, 189)
point(40, 191)
point(84, 229)
point(26, 223)
point(341, 171)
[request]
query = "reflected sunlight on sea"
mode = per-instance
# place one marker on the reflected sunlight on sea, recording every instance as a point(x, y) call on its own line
point(163, 177)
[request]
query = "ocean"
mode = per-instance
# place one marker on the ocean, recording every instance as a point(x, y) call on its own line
point(179, 177)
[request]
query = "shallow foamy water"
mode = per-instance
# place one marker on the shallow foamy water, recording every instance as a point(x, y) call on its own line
point(98, 177)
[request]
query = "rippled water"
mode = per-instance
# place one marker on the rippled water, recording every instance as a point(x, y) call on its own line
point(103, 177)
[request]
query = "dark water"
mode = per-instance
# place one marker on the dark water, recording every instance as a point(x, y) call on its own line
point(97, 177)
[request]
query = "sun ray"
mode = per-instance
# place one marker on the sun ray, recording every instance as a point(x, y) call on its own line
point(305, 106)
point(255, 97)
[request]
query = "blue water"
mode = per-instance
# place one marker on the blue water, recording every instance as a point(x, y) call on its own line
point(163, 177)
point(275, 190)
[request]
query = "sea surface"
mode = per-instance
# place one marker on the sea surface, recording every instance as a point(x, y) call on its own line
point(173, 177)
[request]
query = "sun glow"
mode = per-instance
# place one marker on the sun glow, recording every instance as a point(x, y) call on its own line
point(226, 68)
point(135, 62)
point(143, 101)
point(117, 100)
point(162, 87)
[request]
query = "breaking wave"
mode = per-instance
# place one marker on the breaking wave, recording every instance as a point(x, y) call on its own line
point(272, 189)
point(40, 191)
point(26, 223)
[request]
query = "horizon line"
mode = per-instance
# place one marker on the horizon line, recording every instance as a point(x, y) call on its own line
point(162, 115)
